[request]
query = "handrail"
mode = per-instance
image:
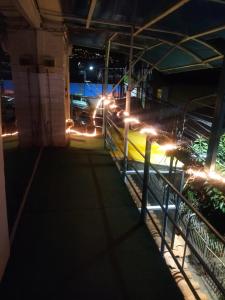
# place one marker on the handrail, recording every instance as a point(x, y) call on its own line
point(180, 198)
point(201, 217)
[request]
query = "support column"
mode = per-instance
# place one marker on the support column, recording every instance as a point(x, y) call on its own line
point(40, 75)
point(218, 123)
point(67, 81)
point(4, 234)
point(105, 85)
point(128, 100)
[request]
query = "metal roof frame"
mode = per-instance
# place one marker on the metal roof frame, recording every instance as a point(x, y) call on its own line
point(122, 28)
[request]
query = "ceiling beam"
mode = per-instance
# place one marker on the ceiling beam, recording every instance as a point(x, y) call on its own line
point(124, 25)
point(162, 16)
point(90, 12)
point(28, 9)
point(201, 34)
point(183, 67)
point(184, 36)
point(174, 46)
point(127, 46)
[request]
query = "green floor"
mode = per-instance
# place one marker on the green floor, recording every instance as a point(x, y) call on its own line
point(18, 164)
point(80, 236)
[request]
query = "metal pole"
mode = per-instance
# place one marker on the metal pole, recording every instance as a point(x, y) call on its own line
point(145, 179)
point(128, 100)
point(176, 216)
point(166, 208)
point(186, 237)
point(105, 86)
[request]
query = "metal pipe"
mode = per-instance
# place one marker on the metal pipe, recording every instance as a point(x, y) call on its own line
point(186, 237)
point(164, 14)
point(166, 207)
point(90, 13)
point(128, 100)
point(144, 199)
point(106, 77)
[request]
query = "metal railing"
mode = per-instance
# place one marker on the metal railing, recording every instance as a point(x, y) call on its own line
point(159, 199)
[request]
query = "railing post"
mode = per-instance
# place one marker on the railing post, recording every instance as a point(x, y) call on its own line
point(128, 100)
point(186, 237)
point(105, 87)
point(125, 160)
point(146, 178)
point(166, 206)
point(176, 216)
point(104, 124)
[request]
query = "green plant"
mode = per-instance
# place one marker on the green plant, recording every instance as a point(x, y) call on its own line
point(215, 197)
point(200, 146)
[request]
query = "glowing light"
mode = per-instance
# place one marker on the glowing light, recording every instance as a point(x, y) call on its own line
point(69, 120)
point(94, 133)
point(122, 113)
point(76, 132)
point(131, 120)
point(96, 108)
point(206, 175)
point(113, 106)
point(10, 134)
point(215, 176)
point(148, 130)
point(197, 173)
point(107, 101)
point(91, 68)
point(168, 147)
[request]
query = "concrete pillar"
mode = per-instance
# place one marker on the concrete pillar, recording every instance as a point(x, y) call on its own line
point(4, 234)
point(67, 83)
point(39, 60)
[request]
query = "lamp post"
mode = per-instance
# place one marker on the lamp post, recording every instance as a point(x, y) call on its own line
point(90, 68)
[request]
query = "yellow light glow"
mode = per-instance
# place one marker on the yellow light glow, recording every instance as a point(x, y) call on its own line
point(122, 113)
point(148, 130)
point(69, 120)
point(206, 175)
point(94, 133)
point(168, 147)
point(76, 132)
point(113, 106)
point(107, 101)
point(131, 120)
point(10, 134)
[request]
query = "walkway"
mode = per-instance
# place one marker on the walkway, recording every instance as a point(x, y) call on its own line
point(80, 236)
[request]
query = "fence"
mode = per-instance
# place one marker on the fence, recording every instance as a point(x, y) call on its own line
point(161, 203)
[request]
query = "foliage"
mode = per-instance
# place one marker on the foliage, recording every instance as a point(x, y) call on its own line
point(209, 199)
point(200, 146)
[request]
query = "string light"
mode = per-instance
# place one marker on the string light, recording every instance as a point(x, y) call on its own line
point(131, 120)
point(113, 106)
point(106, 101)
point(122, 113)
point(205, 175)
point(148, 130)
point(168, 147)
point(76, 132)
point(10, 134)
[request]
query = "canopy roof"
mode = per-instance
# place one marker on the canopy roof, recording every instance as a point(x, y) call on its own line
point(172, 35)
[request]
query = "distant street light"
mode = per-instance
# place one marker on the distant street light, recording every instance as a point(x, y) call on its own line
point(91, 68)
